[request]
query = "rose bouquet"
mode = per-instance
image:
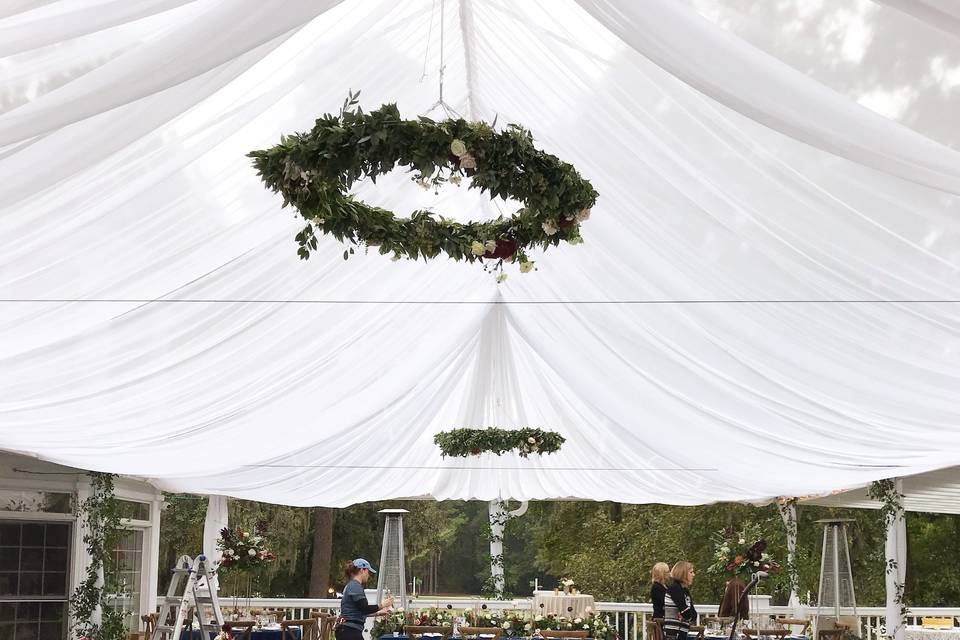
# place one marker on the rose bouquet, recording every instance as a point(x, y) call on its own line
point(243, 549)
point(741, 553)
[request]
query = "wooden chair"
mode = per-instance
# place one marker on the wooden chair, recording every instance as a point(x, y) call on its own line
point(496, 632)
point(416, 631)
point(309, 629)
point(550, 633)
point(149, 624)
point(327, 623)
point(796, 622)
point(833, 634)
point(696, 631)
point(655, 629)
point(241, 629)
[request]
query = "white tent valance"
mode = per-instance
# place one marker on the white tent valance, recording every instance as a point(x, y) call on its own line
point(765, 303)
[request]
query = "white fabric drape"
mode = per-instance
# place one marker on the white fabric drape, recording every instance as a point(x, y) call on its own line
point(764, 89)
point(743, 293)
point(942, 14)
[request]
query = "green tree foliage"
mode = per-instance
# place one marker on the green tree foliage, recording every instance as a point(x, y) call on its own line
point(608, 549)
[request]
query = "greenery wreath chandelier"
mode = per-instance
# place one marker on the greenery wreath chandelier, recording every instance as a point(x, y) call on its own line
point(460, 443)
point(314, 172)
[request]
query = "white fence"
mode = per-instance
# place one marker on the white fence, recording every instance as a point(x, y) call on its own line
point(629, 618)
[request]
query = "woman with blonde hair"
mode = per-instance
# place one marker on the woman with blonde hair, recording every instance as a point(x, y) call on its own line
point(659, 577)
point(679, 611)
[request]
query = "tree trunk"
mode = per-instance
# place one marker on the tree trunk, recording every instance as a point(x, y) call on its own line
point(322, 552)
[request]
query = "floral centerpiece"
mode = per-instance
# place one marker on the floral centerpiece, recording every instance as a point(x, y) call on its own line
point(568, 584)
point(431, 617)
point(244, 550)
point(596, 624)
point(741, 553)
point(394, 622)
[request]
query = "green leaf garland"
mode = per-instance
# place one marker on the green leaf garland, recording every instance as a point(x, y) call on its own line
point(460, 443)
point(314, 172)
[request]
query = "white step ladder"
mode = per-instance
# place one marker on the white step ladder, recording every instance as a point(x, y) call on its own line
point(193, 570)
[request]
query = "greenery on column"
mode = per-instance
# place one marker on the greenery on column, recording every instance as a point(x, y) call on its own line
point(99, 515)
point(885, 491)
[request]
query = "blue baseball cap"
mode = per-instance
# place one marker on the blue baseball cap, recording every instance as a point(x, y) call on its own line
point(360, 563)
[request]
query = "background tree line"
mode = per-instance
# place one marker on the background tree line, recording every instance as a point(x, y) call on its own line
point(607, 548)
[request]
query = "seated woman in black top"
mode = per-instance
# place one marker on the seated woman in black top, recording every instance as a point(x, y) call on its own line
point(659, 577)
point(679, 611)
point(353, 607)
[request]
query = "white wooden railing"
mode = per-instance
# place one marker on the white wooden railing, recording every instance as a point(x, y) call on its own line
point(629, 618)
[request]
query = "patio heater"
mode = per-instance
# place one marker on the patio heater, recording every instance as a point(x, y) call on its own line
point(836, 601)
point(393, 575)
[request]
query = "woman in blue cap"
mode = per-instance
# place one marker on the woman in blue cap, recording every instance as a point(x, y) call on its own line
point(353, 607)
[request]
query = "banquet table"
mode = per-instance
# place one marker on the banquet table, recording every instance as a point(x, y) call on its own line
point(265, 633)
point(920, 633)
point(562, 604)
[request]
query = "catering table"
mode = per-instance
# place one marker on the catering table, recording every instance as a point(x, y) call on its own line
point(919, 633)
point(562, 604)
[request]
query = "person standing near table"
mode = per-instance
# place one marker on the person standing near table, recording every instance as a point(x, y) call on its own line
point(354, 609)
point(678, 610)
point(659, 577)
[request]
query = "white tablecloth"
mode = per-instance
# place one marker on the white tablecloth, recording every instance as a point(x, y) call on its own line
point(545, 602)
point(919, 633)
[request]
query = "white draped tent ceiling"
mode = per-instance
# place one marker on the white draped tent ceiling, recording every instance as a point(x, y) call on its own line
point(765, 303)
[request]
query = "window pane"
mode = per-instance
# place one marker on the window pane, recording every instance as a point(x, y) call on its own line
point(31, 559)
point(31, 584)
point(31, 535)
point(134, 510)
point(8, 583)
point(55, 583)
point(9, 559)
point(58, 536)
point(35, 501)
point(10, 534)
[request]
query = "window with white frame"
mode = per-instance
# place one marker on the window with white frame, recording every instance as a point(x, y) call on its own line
point(34, 565)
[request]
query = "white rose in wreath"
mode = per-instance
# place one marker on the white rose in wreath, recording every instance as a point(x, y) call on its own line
point(467, 161)
point(252, 552)
point(477, 248)
point(532, 440)
point(583, 215)
point(550, 227)
point(526, 267)
point(490, 245)
point(458, 148)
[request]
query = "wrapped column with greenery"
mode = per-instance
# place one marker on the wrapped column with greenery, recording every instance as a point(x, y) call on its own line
point(99, 516)
point(889, 493)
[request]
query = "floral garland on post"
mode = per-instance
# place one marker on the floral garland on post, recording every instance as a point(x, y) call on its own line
point(460, 443)
point(787, 508)
point(99, 515)
point(891, 510)
point(490, 587)
point(315, 171)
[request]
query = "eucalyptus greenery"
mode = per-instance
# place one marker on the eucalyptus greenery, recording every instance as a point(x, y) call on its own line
point(314, 171)
point(99, 515)
point(471, 442)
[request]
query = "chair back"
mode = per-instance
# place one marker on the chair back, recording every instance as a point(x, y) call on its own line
point(417, 630)
point(241, 629)
point(496, 632)
point(149, 623)
point(796, 622)
point(327, 623)
point(655, 629)
point(696, 631)
point(550, 633)
point(309, 629)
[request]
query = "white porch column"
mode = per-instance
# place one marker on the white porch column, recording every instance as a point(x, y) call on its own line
point(788, 513)
point(498, 521)
point(217, 518)
point(896, 561)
